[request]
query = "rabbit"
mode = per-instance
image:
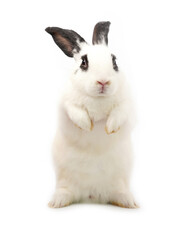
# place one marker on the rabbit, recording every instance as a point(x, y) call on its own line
point(92, 150)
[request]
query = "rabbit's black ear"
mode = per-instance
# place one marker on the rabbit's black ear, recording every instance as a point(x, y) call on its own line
point(68, 40)
point(100, 34)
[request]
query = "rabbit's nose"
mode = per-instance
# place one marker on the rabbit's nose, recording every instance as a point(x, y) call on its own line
point(103, 83)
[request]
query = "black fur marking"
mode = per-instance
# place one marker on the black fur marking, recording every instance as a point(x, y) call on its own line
point(115, 67)
point(100, 33)
point(67, 40)
point(84, 65)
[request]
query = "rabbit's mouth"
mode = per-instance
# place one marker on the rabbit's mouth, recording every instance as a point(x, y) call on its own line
point(103, 93)
point(103, 90)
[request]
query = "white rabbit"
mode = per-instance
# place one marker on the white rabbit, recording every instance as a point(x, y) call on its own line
point(92, 149)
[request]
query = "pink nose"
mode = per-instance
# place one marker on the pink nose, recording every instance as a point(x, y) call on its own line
point(103, 83)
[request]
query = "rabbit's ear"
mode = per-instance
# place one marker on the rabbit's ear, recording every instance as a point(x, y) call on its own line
point(68, 40)
point(100, 34)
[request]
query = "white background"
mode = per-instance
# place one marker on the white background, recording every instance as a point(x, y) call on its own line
point(32, 73)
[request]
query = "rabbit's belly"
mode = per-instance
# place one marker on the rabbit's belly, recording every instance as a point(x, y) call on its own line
point(95, 175)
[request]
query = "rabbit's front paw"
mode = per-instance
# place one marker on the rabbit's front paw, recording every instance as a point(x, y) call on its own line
point(85, 124)
point(112, 126)
point(60, 199)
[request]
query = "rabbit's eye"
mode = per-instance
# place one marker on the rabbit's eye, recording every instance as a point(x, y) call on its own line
point(115, 67)
point(84, 64)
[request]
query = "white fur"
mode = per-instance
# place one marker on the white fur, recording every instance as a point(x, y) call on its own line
point(92, 164)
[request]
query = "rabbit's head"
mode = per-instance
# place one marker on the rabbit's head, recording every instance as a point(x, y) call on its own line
point(96, 72)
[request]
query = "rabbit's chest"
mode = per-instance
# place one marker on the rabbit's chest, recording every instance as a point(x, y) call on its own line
point(99, 110)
